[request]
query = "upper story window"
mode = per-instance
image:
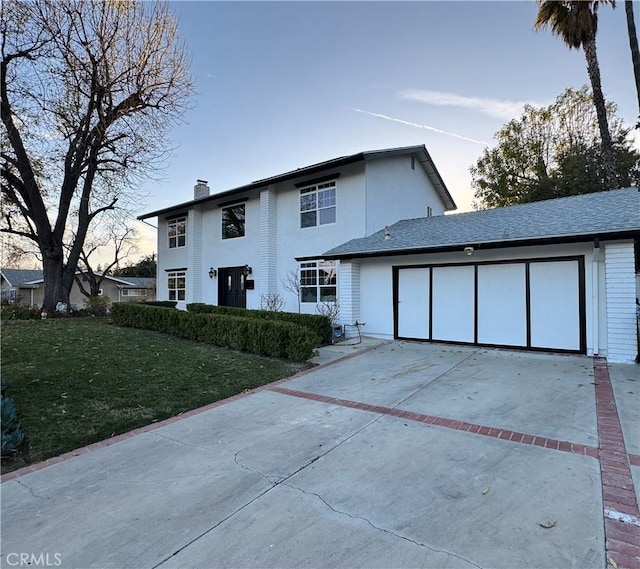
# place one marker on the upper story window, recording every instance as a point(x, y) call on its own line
point(318, 282)
point(233, 221)
point(318, 205)
point(177, 232)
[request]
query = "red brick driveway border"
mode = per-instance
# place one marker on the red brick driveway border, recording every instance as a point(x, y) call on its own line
point(621, 515)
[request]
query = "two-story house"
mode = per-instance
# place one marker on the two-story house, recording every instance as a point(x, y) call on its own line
point(369, 230)
point(233, 247)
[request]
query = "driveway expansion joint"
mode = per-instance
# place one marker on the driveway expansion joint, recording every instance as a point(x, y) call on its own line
point(368, 521)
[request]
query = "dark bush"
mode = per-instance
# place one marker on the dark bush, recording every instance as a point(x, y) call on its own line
point(259, 336)
point(163, 303)
point(320, 325)
point(12, 433)
point(20, 312)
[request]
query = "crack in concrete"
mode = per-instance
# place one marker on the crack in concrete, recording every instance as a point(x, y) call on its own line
point(31, 491)
point(368, 521)
point(273, 485)
point(208, 449)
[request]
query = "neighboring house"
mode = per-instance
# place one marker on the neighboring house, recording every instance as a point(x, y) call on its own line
point(27, 287)
point(553, 275)
point(233, 247)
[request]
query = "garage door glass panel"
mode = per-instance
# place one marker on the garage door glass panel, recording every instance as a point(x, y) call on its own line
point(453, 304)
point(502, 305)
point(555, 313)
point(413, 303)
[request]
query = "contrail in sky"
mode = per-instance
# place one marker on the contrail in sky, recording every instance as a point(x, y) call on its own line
point(424, 126)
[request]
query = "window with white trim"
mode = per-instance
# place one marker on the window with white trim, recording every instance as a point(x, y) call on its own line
point(318, 205)
point(318, 281)
point(177, 230)
point(177, 284)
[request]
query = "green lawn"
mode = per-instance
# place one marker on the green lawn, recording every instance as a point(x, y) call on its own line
point(75, 382)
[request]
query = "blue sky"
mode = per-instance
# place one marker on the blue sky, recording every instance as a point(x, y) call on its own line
point(281, 85)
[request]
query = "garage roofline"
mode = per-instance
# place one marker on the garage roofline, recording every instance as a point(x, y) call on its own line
point(484, 245)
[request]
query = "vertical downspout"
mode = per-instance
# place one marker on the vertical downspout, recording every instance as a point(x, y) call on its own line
point(595, 300)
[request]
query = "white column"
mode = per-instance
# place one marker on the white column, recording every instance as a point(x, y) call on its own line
point(620, 293)
point(349, 292)
point(194, 256)
point(268, 282)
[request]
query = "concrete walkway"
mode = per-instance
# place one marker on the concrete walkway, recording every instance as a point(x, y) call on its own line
point(396, 454)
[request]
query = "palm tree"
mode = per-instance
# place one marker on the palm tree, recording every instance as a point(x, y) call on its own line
point(576, 22)
point(635, 53)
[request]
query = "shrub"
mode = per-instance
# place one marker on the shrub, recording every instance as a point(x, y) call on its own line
point(97, 304)
point(12, 433)
point(267, 337)
point(319, 324)
point(20, 312)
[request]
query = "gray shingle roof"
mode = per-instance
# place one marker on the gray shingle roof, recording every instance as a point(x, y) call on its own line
point(570, 218)
point(140, 282)
point(17, 277)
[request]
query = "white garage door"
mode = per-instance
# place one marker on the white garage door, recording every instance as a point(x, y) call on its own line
point(528, 303)
point(453, 304)
point(413, 304)
point(502, 304)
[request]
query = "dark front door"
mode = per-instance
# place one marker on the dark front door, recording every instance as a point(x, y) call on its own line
point(231, 290)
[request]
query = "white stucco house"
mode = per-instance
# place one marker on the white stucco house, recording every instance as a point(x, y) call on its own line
point(235, 246)
point(369, 230)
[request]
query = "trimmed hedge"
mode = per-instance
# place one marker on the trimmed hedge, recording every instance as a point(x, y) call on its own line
point(259, 336)
point(320, 325)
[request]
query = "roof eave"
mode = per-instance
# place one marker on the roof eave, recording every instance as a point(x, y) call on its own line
point(526, 242)
point(301, 172)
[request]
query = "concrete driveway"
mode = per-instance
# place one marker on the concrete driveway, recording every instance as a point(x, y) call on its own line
point(401, 455)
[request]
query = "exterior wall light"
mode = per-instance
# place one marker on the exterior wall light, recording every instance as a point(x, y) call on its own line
point(468, 250)
point(247, 270)
point(212, 272)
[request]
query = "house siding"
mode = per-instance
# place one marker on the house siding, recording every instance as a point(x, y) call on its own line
point(194, 256)
point(394, 191)
point(349, 292)
point(620, 299)
point(268, 242)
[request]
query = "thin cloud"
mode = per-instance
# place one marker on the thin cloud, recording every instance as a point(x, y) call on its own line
point(423, 126)
point(492, 107)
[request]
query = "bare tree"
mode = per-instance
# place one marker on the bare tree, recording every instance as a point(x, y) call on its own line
point(118, 238)
point(291, 283)
point(89, 91)
point(271, 301)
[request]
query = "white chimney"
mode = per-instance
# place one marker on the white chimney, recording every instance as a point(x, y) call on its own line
point(201, 190)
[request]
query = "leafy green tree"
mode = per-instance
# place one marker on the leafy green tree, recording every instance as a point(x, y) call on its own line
point(576, 22)
point(553, 152)
point(88, 93)
point(145, 267)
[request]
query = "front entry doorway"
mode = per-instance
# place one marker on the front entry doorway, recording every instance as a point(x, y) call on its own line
point(231, 287)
